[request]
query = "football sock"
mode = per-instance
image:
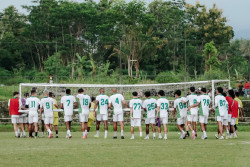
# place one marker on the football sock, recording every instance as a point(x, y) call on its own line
point(193, 131)
point(159, 134)
point(36, 133)
point(97, 132)
point(68, 132)
point(16, 133)
point(30, 134)
point(165, 135)
point(115, 133)
point(57, 132)
point(83, 133)
point(140, 134)
point(106, 132)
point(122, 133)
point(153, 134)
point(132, 136)
point(49, 131)
point(86, 132)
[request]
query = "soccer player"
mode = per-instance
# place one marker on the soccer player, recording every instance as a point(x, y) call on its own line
point(47, 104)
point(55, 114)
point(149, 107)
point(181, 109)
point(117, 101)
point(221, 111)
point(229, 99)
point(25, 116)
point(235, 112)
point(204, 111)
point(162, 112)
point(33, 104)
point(14, 104)
point(84, 105)
point(67, 103)
point(237, 94)
point(135, 114)
point(91, 118)
point(192, 114)
point(102, 113)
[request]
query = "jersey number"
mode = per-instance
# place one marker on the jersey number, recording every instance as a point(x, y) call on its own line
point(206, 102)
point(103, 102)
point(47, 105)
point(222, 102)
point(85, 102)
point(164, 106)
point(117, 100)
point(68, 102)
point(137, 105)
point(151, 106)
point(182, 105)
point(33, 104)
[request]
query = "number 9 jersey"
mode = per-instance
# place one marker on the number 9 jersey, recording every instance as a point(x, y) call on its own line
point(47, 104)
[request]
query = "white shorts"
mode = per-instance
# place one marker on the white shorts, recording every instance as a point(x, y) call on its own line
point(233, 121)
point(21, 119)
point(118, 117)
point(83, 118)
point(67, 118)
point(181, 120)
point(15, 119)
point(33, 118)
point(25, 120)
point(150, 120)
point(203, 119)
point(43, 117)
point(229, 117)
point(164, 120)
point(222, 120)
point(102, 117)
point(48, 120)
point(135, 122)
point(192, 118)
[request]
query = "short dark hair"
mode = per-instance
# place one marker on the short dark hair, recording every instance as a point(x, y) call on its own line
point(135, 94)
point(231, 93)
point(15, 93)
point(92, 98)
point(220, 89)
point(26, 94)
point(237, 94)
point(80, 90)
point(33, 91)
point(178, 92)
point(161, 93)
point(224, 94)
point(68, 91)
point(147, 93)
point(192, 89)
point(51, 94)
point(204, 90)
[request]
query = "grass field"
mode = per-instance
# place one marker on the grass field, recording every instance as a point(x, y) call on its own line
point(110, 152)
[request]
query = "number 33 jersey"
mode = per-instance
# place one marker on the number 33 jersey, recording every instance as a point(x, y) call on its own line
point(68, 104)
point(163, 103)
point(149, 105)
point(47, 104)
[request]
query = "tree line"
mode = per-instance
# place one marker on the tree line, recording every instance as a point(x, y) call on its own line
point(163, 38)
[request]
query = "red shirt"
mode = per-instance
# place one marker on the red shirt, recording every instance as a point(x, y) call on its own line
point(235, 109)
point(14, 106)
point(230, 101)
point(246, 85)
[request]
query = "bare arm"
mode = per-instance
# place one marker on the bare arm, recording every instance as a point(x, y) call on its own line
point(95, 107)
point(131, 112)
point(61, 106)
point(124, 103)
point(157, 111)
point(174, 112)
point(194, 105)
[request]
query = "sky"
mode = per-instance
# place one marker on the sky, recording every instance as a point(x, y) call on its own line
point(236, 11)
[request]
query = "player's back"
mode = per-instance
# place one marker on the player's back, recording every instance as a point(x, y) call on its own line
point(163, 103)
point(204, 105)
point(149, 105)
point(193, 99)
point(136, 104)
point(222, 106)
point(103, 103)
point(181, 107)
point(47, 104)
point(116, 101)
point(68, 104)
point(33, 103)
point(84, 101)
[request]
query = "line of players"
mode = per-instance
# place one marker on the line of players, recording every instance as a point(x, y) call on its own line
point(186, 109)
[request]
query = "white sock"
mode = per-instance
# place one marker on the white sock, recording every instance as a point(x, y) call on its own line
point(165, 135)
point(122, 133)
point(86, 132)
point(106, 133)
point(132, 135)
point(140, 134)
point(227, 132)
point(24, 134)
point(48, 131)
point(159, 134)
point(204, 133)
point(83, 133)
point(193, 131)
point(147, 135)
point(97, 132)
point(153, 134)
point(115, 133)
point(16, 133)
point(68, 132)
point(18, 130)
point(43, 133)
point(183, 132)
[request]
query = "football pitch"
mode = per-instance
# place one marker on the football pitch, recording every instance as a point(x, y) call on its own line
point(110, 152)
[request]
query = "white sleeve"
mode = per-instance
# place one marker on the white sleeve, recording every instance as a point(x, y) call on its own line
point(144, 105)
point(62, 101)
point(185, 99)
point(122, 98)
point(97, 98)
point(175, 104)
point(216, 102)
point(27, 101)
point(41, 104)
point(198, 99)
point(74, 99)
point(110, 100)
point(77, 95)
point(158, 103)
point(38, 101)
point(130, 103)
point(9, 103)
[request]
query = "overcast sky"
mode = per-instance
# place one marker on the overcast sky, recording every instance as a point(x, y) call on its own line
point(236, 11)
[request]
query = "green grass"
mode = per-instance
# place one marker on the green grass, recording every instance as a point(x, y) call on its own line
point(110, 152)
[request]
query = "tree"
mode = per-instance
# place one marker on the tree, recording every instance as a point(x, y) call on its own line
point(211, 55)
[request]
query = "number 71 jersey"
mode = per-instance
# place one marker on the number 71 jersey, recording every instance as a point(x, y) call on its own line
point(68, 104)
point(103, 104)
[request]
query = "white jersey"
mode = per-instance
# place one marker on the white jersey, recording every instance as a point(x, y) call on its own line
point(47, 104)
point(136, 105)
point(102, 104)
point(84, 101)
point(221, 106)
point(33, 103)
point(116, 101)
point(163, 103)
point(149, 105)
point(181, 107)
point(204, 105)
point(193, 99)
point(68, 104)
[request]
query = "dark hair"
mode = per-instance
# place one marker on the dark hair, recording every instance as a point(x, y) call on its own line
point(178, 92)
point(135, 94)
point(204, 90)
point(51, 94)
point(147, 93)
point(161, 93)
point(15, 93)
point(26, 94)
point(224, 94)
point(237, 94)
point(68, 91)
point(231, 93)
point(220, 89)
point(92, 98)
point(33, 91)
point(80, 90)
point(192, 89)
